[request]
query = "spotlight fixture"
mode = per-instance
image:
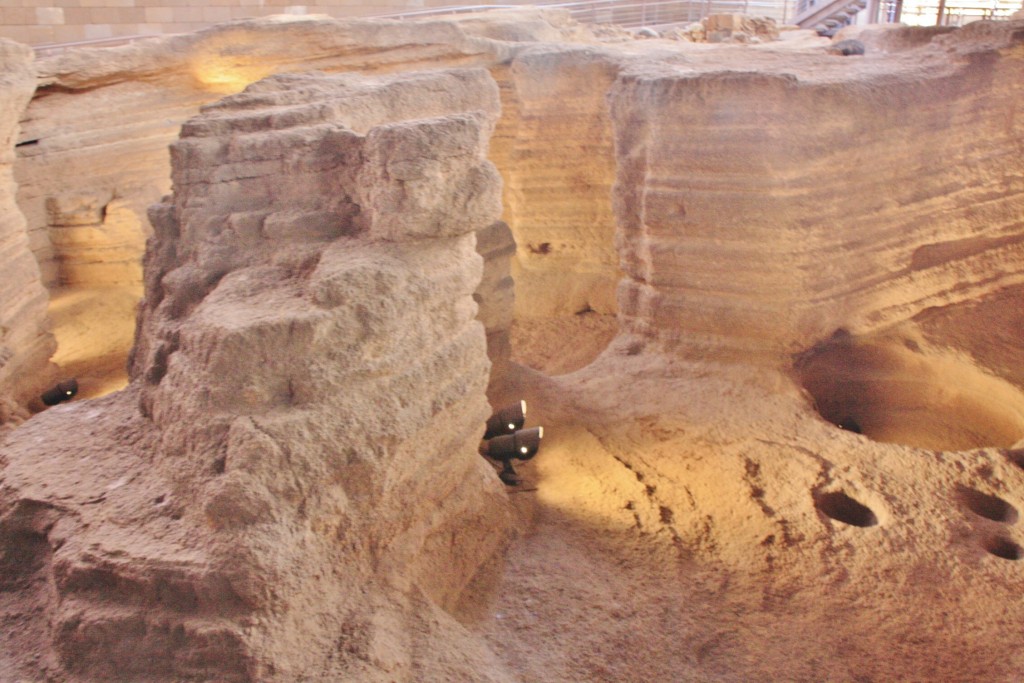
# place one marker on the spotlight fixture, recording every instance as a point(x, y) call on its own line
point(507, 420)
point(520, 445)
point(60, 393)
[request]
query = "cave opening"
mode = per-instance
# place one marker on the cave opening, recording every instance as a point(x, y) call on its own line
point(892, 391)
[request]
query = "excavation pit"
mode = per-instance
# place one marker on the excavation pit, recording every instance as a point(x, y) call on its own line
point(1004, 548)
point(842, 508)
point(989, 506)
point(891, 391)
point(1016, 456)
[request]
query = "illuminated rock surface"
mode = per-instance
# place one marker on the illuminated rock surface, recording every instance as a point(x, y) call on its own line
point(273, 496)
point(25, 340)
point(801, 458)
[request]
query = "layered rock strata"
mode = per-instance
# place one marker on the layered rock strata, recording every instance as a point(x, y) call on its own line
point(100, 123)
point(92, 155)
point(290, 487)
point(25, 340)
point(843, 198)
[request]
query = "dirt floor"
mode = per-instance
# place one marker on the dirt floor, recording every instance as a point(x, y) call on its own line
point(688, 522)
point(697, 522)
point(558, 346)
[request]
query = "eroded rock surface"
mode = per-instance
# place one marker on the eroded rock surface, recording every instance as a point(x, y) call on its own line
point(25, 340)
point(290, 487)
point(559, 167)
point(100, 124)
point(802, 459)
point(759, 230)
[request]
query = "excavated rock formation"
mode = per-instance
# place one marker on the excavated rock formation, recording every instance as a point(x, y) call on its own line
point(756, 231)
point(92, 156)
point(559, 166)
point(802, 458)
point(292, 475)
point(495, 295)
point(25, 341)
point(101, 121)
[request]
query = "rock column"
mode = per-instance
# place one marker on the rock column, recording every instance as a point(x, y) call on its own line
point(25, 340)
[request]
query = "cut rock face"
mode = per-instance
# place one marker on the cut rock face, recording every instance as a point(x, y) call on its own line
point(290, 489)
point(25, 340)
point(891, 393)
point(307, 398)
point(750, 231)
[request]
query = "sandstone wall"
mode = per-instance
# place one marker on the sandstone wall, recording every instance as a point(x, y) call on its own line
point(496, 294)
point(25, 341)
point(559, 168)
point(93, 152)
point(759, 212)
point(294, 489)
point(93, 155)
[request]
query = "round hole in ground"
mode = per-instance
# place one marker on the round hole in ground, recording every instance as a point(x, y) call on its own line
point(989, 506)
point(1016, 456)
point(842, 508)
point(1004, 548)
point(891, 391)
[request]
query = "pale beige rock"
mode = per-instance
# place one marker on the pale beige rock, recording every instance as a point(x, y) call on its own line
point(25, 339)
point(308, 396)
point(750, 231)
point(96, 238)
point(808, 243)
point(496, 293)
point(408, 190)
point(558, 170)
point(103, 118)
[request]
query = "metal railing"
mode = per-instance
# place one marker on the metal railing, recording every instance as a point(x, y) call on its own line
point(634, 13)
point(654, 12)
point(945, 14)
point(829, 14)
point(624, 13)
point(638, 13)
point(96, 42)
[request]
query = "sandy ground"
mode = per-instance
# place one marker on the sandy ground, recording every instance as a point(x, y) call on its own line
point(561, 345)
point(94, 328)
point(687, 522)
point(695, 522)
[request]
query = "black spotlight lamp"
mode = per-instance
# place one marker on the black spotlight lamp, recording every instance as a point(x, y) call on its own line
point(60, 393)
point(507, 420)
point(520, 445)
